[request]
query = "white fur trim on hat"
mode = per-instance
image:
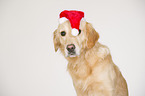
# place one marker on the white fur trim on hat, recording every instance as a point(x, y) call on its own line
point(74, 32)
point(83, 19)
point(62, 20)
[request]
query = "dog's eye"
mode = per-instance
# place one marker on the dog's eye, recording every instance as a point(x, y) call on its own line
point(63, 33)
point(79, 31)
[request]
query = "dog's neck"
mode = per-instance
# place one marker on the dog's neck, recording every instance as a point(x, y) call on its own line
point(78, 67)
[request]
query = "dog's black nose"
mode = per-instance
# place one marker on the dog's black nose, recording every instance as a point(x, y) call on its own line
point(70, 47)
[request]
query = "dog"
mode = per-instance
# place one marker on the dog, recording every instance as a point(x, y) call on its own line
point(89, 62)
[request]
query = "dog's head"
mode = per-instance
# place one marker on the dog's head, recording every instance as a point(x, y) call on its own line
point(73, 46)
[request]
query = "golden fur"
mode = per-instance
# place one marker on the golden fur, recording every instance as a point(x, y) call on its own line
point(92, 69)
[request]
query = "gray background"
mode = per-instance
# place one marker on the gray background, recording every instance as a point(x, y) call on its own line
point(30, 67)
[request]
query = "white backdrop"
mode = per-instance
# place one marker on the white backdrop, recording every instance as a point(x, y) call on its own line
point(30, 67)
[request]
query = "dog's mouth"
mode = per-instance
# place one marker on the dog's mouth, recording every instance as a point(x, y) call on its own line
point(72, 54)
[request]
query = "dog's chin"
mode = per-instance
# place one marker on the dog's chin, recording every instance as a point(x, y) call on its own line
point(72, 55)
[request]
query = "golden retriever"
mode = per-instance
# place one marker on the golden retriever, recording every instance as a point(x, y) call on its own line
point(89, 62)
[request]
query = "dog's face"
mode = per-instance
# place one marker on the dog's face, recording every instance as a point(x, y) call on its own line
point(73, 46)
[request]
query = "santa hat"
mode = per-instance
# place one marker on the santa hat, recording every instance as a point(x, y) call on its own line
point(74, 17)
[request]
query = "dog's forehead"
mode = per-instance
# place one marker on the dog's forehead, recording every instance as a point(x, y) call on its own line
point(64, 26)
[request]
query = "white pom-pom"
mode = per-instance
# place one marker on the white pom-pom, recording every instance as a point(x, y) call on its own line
point(62, 20)
point(74, 32)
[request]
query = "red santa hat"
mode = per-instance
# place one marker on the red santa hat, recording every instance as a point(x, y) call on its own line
point(74, 17)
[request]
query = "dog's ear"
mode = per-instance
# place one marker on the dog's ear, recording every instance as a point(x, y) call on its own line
point(56, 40)
point(92, 35)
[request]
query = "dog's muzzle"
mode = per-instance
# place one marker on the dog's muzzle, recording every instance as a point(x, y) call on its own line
point(71, 49)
